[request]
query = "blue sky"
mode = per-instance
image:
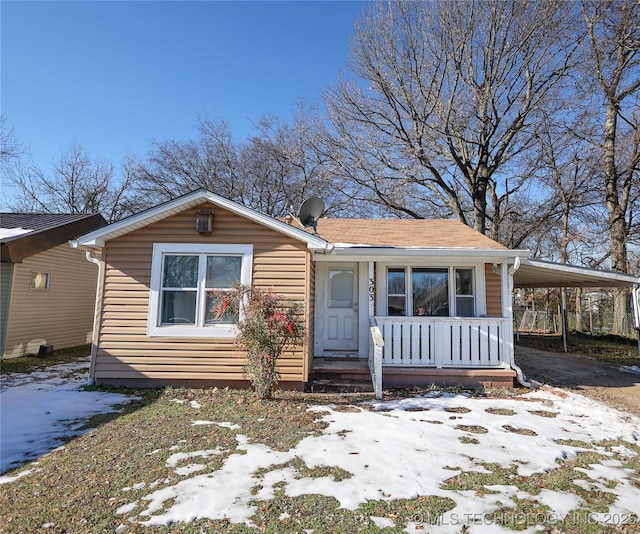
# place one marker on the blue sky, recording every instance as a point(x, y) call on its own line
point(114, 75)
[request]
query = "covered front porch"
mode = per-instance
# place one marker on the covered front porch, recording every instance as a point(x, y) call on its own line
point(448, 351)
point(428, 320)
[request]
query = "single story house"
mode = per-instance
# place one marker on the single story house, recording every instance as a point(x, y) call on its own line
point(47, 290)
point(423, 300)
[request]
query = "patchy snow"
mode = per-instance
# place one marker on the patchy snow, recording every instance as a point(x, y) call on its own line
point(180, 457)
point(224, 424)
point(399, 449)
point(39, 411)
point(382, 522)
point(410, 447)
point(630, 369)
point(126, 508)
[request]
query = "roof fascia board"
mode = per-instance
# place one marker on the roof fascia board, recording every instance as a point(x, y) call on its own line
point(366, 253)
point(100, 237)
point(594, 274)
point(31, 243)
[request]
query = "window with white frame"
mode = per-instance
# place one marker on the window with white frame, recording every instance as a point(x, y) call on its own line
point(396, 292)
point(465, 293)
point(430, 291)
point(426, 291)
point(186, 283)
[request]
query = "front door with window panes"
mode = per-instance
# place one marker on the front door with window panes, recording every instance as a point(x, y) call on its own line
point(341, 309)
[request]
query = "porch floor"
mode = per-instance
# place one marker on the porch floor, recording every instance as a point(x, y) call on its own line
point(352, 374)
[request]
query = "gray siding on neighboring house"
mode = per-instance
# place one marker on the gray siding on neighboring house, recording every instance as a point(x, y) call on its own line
point(5, 293)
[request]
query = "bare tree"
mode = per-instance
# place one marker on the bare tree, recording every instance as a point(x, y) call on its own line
point(614, 63)
point(74, 184)
point(10, 148)
point(284, 165)
point(568, 169)
point(445, 96)
point(173, 168)
point(272, 172)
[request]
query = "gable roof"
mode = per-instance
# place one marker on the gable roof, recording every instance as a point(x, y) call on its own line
point(99, 237)
point(353, 237)
point(25, 234)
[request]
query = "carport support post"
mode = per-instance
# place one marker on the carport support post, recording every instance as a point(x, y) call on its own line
point(563, 314)
point(635, 304)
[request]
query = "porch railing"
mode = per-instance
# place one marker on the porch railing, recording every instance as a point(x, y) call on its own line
point(376, 347)
point(444, 341)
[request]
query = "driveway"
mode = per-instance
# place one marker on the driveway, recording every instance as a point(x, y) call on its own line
point(600, 381)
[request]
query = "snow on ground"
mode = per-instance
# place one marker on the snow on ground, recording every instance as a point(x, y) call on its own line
point(398, 449)
point(406, 448)
point(39, 410)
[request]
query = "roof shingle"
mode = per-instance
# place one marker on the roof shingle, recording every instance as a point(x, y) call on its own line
point(424, 233)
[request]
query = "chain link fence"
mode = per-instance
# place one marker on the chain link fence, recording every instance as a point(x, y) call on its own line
point(543, 322)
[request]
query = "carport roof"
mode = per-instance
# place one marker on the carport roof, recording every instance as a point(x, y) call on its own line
point(537, 273)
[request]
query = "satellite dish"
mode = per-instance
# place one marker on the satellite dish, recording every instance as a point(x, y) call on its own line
point(310, 212)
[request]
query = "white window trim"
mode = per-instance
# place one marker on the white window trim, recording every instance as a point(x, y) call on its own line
point(154, 329)
point(478, 279)
point(454, 289)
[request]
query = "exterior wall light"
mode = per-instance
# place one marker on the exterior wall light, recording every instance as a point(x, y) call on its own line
point(204, 222)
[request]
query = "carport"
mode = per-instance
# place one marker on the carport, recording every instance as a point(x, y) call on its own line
point(544, 274)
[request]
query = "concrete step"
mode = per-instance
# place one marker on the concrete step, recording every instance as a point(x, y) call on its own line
point(339, 375)
point(338, 386)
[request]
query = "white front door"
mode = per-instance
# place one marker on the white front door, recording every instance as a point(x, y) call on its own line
point(341, 308)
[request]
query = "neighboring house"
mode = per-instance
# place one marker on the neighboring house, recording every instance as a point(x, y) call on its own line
point(47, 289)
point(424, 300)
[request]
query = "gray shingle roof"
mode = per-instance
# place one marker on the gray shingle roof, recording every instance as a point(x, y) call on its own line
point(42, 231)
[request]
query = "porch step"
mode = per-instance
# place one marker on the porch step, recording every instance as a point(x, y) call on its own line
point(352, 375)
point(339, 375)
point(338, 386)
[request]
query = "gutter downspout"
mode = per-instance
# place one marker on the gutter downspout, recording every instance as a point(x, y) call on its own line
point(519, 374)
point(92, 362)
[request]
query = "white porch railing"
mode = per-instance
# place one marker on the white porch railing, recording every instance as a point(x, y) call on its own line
point(476, 342)
point(376, 346)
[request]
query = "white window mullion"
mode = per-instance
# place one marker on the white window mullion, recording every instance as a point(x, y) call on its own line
point(408, 286)
point(200, 299)
point(453, 301)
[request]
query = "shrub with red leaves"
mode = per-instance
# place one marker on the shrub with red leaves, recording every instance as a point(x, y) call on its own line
point(267, 323)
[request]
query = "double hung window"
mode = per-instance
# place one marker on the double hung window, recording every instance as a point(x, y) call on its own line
point(187, 281)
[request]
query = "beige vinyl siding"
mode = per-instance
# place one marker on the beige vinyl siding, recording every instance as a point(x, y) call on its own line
point(311, 314)
point(125, 351)
point(61, 316)
point(493, 286)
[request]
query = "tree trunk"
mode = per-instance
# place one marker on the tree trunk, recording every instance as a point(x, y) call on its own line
point(479, 195)
point(617, 222)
